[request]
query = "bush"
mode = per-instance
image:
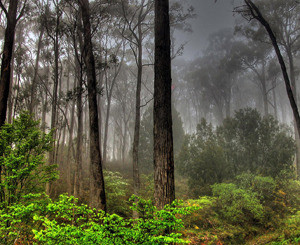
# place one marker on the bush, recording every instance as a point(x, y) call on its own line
point(65, 222)
point(238, 205)
point(116, 188)
point(22, 150)
point(245, 143)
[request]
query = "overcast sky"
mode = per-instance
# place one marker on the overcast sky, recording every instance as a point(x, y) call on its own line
point(210, 18)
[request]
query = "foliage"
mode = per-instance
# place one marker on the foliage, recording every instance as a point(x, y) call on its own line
point(245, 143)
point(202, 160)
point(22, 150)
point(116, 188)
point(238, 205)
point(39, 219)
point(254, 209)
point(16, 221)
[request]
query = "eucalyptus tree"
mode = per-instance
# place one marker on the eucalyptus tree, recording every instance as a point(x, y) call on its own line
point(281, 26)
point(164, 186)
point(136, 15)
point(97, 190)
point(52, 21)
point(13, 13)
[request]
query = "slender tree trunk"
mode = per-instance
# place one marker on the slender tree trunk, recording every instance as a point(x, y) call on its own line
point(136, 137)
point(44, 112)
point(275, 101)
point(70, 147)
point(11, 92)
point(264, 89)
point(106, 127)
point(164, 187)
point(78, 171)
point(109, 97)
point(9, 38)
point(36, 70)
point(294, 89)
point(258, 16)
point(97, 191)
point(52, 154)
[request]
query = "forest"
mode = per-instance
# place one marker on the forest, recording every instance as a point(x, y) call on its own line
point(149, 122)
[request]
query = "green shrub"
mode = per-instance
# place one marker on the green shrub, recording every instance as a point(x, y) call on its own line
point(41, 220)
point(238, 205)
point(117, 189)
point(245, 143)
point(22, 150)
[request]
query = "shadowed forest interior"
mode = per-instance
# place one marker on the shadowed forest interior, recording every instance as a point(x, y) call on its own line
point(149, 122)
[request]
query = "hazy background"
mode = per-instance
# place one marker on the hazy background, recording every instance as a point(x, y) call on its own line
point(210, 17)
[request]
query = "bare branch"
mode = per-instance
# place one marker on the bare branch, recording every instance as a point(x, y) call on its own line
point(3, 8)
point(22, 11)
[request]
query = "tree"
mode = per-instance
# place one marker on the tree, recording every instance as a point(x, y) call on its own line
point(137, 27)
point(164, 187)
point(97, 191)
point(12, 19)
point(245, 143)
point(52, 24)
point(252, 11)
point(23, 170)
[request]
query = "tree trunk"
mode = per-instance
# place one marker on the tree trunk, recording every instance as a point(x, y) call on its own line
point(258, 16)
point(294, 89)
point(52, 154)
point(164, 187)
point(97, 191)
point(275, 100)
point(264, 90)
point(7, 55)
point(136, 137)
point(78, 160)
point(36, 69)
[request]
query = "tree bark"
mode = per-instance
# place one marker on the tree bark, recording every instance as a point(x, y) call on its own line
point(7, 55)
point(78, 160)
point(164, 187)
point(97, 191)
point(136, 137)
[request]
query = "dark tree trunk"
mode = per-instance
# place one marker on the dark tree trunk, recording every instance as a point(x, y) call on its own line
point(136, 137)
point(7, 55)
point(78, 159)
point(164, 187)
point(97, 191)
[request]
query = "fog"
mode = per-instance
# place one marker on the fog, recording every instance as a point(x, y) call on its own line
point(105, 99)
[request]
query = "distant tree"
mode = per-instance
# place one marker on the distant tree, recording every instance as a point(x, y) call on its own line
point(137, 26)
point(52, 24)
point(288, 38)
point(244, 143)
point(164, 190)
point(216, 88)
